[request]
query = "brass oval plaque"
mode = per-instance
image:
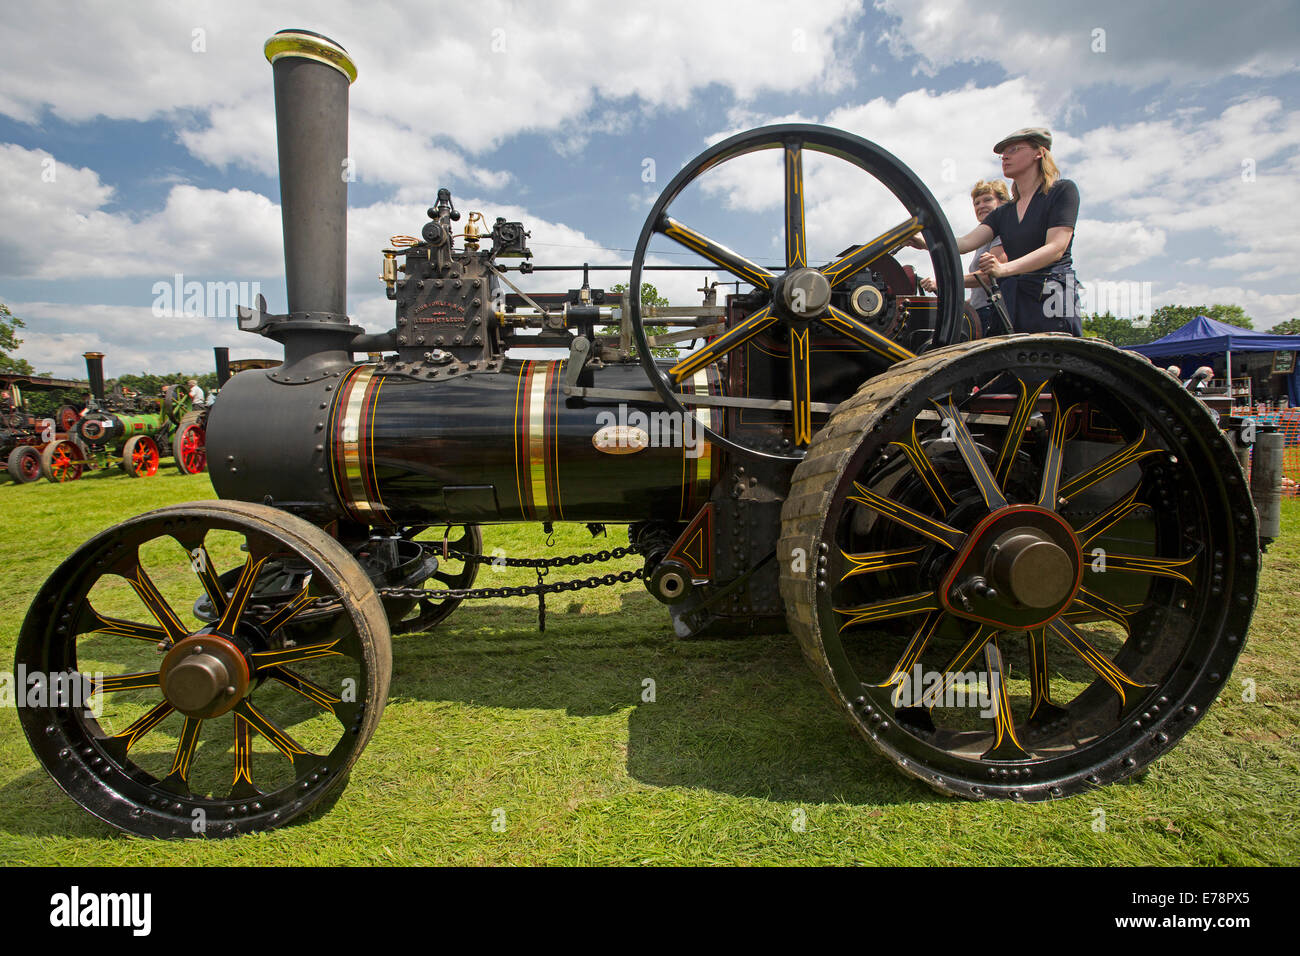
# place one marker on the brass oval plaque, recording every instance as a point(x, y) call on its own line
point(620, 440)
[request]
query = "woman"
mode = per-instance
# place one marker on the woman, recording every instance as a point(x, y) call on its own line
point(1037, 232)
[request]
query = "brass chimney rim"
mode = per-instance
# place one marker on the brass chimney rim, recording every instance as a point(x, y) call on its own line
point(310, 46)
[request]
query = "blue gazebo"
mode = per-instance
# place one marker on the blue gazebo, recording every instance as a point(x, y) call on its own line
point(1203, 339)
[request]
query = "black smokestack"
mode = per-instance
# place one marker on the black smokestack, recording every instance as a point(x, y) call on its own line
point(223, 364)
point(312, 75)
point(95, 373)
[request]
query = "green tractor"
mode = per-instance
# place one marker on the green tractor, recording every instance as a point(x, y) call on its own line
point(120, 426)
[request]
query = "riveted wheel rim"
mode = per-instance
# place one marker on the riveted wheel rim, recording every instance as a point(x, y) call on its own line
point(1177, 641)
point(100, 760)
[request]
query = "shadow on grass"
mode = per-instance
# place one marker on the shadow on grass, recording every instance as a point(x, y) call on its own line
point(741, 716)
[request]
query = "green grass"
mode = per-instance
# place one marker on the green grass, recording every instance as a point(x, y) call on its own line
point(486, 715)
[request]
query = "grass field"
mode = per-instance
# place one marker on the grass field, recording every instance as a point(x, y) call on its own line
point(490, 721)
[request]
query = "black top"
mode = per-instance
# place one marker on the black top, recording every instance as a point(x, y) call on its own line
point(1060, 207)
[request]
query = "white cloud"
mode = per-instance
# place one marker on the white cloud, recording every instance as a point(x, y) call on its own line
point(429, 96)
point(67, 227)
point(1265, 309)
point(1139, 44)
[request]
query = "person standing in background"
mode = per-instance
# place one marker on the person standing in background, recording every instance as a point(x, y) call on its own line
point(985, 196)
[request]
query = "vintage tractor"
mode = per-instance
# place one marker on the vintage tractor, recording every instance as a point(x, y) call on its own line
point(1049, 525)
point(31, 446)
point(120, 426)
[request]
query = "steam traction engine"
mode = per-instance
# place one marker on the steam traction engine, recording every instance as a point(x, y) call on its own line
point(843, 458)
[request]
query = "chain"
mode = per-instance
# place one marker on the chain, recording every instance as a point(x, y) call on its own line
point(525, 590)
point(591, 557)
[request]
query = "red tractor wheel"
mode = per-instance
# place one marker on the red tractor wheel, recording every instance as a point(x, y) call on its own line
point(67, 418)
point(189, 445)
point(62, 461)
point(140, 457)
point(25, 464)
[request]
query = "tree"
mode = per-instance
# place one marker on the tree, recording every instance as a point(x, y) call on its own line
point(1116, 331)
point(9, 342)
point(650, 298)
point(1289, 327)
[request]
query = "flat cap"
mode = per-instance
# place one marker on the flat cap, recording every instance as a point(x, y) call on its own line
point(1035, 134)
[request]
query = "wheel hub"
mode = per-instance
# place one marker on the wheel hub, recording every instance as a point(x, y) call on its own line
point(804, 294)
point(204, 675)
point(1019, 569)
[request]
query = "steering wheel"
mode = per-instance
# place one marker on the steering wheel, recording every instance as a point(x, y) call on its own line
point(800, 298)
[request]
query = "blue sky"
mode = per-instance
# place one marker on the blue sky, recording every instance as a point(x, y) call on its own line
point(137, 141)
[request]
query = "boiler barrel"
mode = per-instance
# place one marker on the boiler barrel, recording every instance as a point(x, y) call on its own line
point(512, 446)
point(475, 446)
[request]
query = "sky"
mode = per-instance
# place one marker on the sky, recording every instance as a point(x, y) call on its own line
point(137, 143)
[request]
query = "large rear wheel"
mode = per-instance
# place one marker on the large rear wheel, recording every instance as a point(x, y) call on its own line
point(1022, 566)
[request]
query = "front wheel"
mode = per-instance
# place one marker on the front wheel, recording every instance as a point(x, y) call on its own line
point(24, 464)
point(140, 457)
point(170, 725)
point(1023, 567)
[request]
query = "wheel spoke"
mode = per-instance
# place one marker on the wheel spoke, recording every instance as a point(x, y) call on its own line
point(981, 636)
point(179, 777)
point(862, 256)
point(143, 585)
point(873, 562)
point(1016, 425)
point(801, 385)
point(124, 740)
point(1121, 683)
point(1041, 708)
point(243, 783)
point(954, 426)
point(886, 610)
point(264, 660)
point(945, 535)
point(1089, 605)
point(723, 344)
point(239, 596)
point(796, 237)
point(313, 692)
point(925, 471)
point(1157, 567)
point(1126, 456)
point(1006, 745)
point(115, 682)
point(1114, 513)
point(716, 253)
point(1055, 454)
point(283, 616)
point(911, 655)
point(95, 622)
point(202, 565)
point(851, 328)
point(277, 737)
